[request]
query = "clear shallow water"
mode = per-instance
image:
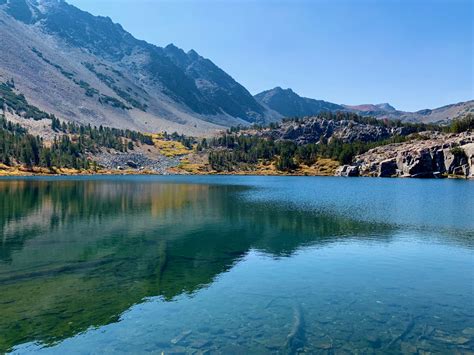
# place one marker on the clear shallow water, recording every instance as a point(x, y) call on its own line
point(236, 265)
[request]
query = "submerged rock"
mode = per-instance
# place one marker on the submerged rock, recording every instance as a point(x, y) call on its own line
point(374, 341)
point(408, 348)
point(199, 344)
point(181, 337)
point(451, 339)
point(296, 337)
point(468, 332)
point(325, 345)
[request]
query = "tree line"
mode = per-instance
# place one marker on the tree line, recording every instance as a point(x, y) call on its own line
point(234, 152)
point(187, 141)
point(94, 137)
point(69, 149)
point(18, 103)
point(237, 149)
point(458, 125)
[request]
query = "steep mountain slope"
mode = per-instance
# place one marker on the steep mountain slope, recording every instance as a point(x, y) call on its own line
point(215, 84)
point(289, 104)
point(88, 69)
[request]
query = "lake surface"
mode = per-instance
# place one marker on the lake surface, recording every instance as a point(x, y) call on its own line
point(236, 265)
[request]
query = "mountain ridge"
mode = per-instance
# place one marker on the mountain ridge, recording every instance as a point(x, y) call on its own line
point(90, 70)
point(289, 104)
point(154, 90)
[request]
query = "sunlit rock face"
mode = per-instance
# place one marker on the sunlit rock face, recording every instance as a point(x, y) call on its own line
point(436, 155)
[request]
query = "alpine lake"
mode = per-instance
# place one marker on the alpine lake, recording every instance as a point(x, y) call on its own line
point(236, 265)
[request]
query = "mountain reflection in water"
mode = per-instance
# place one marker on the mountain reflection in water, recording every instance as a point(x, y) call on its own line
point(77, 254)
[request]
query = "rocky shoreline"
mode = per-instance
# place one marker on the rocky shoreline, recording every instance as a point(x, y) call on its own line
point(433, 155)
point(430, 155)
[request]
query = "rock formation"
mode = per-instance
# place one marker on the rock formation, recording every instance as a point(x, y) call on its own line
point(313, 129)
point(434, 155)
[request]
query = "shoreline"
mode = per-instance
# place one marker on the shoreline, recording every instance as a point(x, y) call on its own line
point(24, 174)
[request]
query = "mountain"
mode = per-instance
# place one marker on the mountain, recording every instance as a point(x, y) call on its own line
point(287, 103)
point(441, 114)
point(88, 69)
point(378, 108)
point(216, 85)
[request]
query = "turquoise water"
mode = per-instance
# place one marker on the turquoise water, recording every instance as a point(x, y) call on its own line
point(236, 265)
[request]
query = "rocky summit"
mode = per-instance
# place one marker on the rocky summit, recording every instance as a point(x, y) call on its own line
point(289, 104)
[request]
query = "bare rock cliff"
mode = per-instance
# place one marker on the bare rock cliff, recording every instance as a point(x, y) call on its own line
point(435, 155)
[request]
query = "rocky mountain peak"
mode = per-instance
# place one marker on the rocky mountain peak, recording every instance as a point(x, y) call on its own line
point(278, 90)
point(289, 104)
point(386, 107)
point(31, 11)
point(177, 55)
point(193, 55)
point(172, 48)
point(46, 4)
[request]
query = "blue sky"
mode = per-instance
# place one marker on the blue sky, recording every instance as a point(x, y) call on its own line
point(414, 54)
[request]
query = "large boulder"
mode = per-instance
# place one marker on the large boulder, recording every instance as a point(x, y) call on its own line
point(469, 151)
point(438, 161)
point(449, 160)
point(417, 164)
point(388, 168)
point(293, 132)
point(132, 164)
point(458, 159)
point(347, 170)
